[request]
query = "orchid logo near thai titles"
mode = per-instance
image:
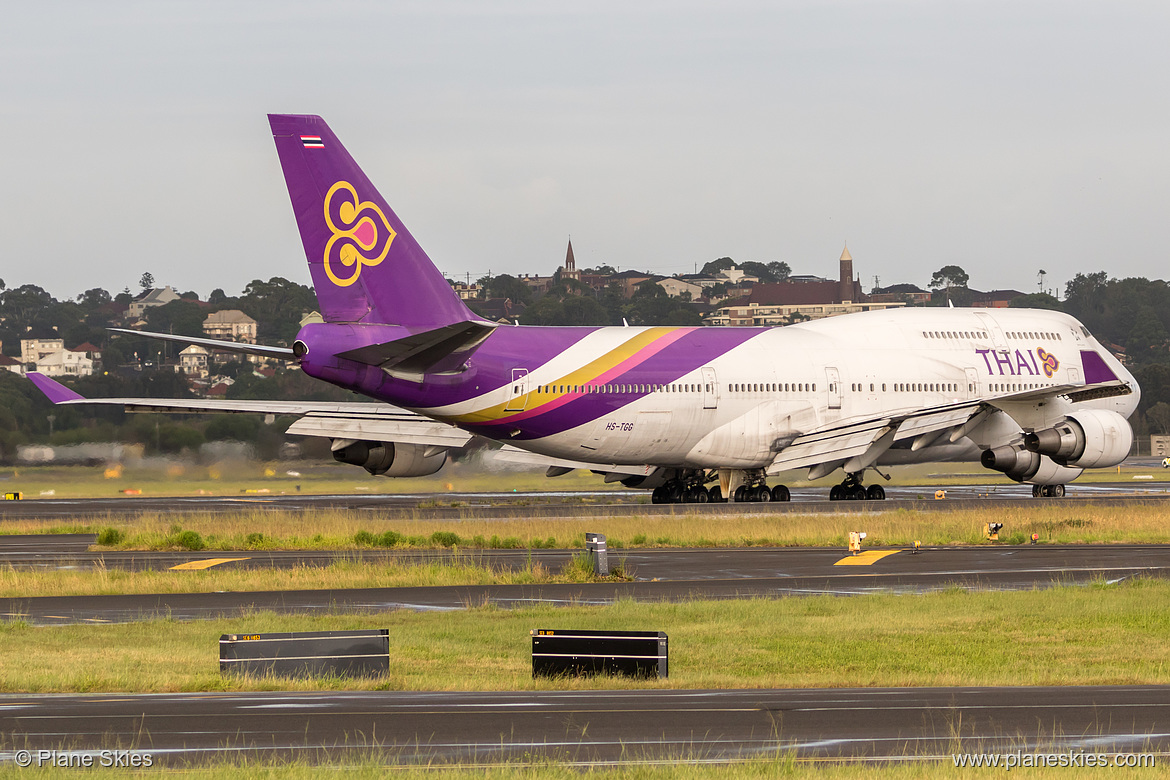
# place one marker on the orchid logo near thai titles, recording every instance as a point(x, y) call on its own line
point(1020, 363)
point(361, 235)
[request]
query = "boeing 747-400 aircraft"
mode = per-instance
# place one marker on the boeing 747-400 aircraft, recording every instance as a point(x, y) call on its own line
point(695, 414)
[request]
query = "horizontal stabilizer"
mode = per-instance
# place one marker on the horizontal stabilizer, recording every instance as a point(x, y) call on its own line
point(440, 350)
point(280, 353)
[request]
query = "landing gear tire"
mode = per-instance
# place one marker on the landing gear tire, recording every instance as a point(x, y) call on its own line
point(836, 493)
point(658, 496)
point(1049, 491)
point(857, 493)
point(761, 494)
point(875, 493)
point(715, 495)
point(741, 493)
point(1037, 491)
point(780, 493)
point(1058, 491)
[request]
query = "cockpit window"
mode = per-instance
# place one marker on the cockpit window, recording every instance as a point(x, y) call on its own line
point(1086, 332)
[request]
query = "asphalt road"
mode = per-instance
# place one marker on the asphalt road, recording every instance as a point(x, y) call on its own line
point(660, 575)
point(604, 726)
point(573, 504)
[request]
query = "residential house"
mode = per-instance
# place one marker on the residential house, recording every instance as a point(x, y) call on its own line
point(149, 299)
point(230, 325)
point(193, 361)
point(11, 364)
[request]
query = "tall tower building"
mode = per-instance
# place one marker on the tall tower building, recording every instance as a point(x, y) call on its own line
point(569, 271)
point(846, 276)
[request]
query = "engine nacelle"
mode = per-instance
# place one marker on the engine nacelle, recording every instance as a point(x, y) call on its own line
point(1013, 460)
point(1089, 438)
point(1051, 473)
point(1023, 466)
point(389, 459)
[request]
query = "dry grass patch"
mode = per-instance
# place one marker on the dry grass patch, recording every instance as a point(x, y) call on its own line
point(465, 569)
point(253, 529)
point(362, 764)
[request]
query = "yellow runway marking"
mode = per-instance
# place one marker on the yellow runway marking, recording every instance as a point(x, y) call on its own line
point(204, 564)
point(866, 558)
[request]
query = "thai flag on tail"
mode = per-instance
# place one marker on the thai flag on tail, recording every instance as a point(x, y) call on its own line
point(312, 142)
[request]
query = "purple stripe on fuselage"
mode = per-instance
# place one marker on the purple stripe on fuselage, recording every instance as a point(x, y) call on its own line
point(1096, 369)
point(490, 368)
point(694, 350)
point(612, 375)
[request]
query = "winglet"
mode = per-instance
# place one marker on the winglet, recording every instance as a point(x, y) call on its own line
point(53, 390)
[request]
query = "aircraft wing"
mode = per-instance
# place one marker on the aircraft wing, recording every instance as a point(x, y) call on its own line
point(368, 421)
point(857, 443)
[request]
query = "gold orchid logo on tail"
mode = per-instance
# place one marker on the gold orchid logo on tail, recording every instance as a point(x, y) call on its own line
point(361, 234)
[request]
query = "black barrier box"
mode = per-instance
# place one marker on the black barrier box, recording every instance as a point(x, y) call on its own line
point(342, 653)
point(632, 653)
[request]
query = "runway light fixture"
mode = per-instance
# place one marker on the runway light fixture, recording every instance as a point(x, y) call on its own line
point(991, 531)
point(940, 494)
point(855, 538)
point(1035, 538)
point(917, 546)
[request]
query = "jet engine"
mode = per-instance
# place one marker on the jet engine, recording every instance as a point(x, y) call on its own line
point(1092, 438)
point(388, 458)
point(1025, 466)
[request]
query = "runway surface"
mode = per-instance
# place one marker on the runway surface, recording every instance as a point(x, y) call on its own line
point(603, 726)
point(553, 504)
point(660, 575)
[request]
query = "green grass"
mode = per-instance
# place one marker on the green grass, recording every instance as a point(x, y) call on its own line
point(1095, 635)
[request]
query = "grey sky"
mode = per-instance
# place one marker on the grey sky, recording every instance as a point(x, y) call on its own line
point(1004, 137)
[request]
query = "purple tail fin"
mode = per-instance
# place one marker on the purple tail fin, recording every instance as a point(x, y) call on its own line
point(366, 266)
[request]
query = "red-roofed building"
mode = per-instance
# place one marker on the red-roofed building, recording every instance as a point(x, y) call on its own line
point(783, 303)
point(11, 364)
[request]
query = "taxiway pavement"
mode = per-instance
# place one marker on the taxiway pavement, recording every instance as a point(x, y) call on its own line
point(660, 575)
point(456, 506)
point(598, 726)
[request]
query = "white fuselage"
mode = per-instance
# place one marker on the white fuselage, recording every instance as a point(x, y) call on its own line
point(787, 381)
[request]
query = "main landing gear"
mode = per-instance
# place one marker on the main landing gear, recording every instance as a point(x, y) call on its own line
point(851, 489)
point(679, 491)
point(1048, 491)
point(761, 493)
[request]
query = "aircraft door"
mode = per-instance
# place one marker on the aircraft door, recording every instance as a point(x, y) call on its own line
point(1074, 375)
point(710, 388)
point(517, 391)
point(997, 339)
point(833, 377)
point(972, 383)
